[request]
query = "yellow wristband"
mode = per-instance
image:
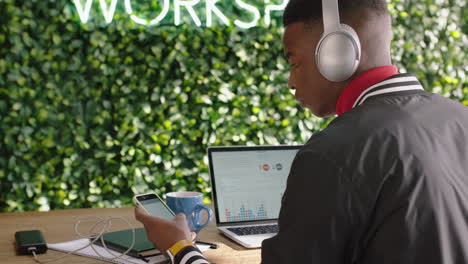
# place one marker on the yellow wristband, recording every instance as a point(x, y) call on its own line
point(177, 247)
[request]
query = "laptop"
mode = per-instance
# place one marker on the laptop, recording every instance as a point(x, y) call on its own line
point(248, 183)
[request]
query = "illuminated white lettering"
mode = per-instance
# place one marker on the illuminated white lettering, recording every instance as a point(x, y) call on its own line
point(211, 7)
point(83, 13)
point(108, 13)
point(270, 8)
point(213, 12)
point(250, 8)
point(142, 21)
point(189, 6)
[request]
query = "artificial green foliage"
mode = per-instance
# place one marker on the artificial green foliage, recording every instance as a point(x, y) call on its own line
point(93, 113)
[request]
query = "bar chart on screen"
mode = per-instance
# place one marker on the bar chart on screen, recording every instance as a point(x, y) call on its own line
point(246, 207)
point(246, 214)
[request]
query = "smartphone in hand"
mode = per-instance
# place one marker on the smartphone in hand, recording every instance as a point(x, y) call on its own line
point(153, 205)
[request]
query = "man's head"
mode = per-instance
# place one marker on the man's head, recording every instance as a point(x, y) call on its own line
point(303, 22)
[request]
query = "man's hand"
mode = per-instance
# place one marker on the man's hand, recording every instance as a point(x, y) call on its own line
point(163, 233)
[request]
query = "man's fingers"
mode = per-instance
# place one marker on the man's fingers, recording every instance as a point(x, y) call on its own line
point(149, 220)
point(181, 220)
point(180, 217)
point(140, 215)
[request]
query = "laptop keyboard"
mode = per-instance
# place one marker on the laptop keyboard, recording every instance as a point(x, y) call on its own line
point(254, 230)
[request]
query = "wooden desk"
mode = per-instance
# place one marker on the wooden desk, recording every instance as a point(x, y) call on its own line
point(57, 226)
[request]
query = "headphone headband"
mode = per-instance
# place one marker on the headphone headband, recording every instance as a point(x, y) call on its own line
point(331, 15)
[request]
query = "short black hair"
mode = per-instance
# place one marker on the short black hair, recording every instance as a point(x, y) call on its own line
point(311, 10)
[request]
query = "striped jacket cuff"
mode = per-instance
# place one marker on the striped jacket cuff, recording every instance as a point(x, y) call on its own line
point(190, 255)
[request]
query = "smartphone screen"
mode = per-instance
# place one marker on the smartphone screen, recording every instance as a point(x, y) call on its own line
point(155, 206)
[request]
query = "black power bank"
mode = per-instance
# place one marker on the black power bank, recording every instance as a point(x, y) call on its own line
point(28, 241)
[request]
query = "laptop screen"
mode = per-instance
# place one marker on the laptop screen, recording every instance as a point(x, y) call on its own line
point(248, 182)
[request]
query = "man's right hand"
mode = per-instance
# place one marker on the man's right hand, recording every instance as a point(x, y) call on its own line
point(164, 233)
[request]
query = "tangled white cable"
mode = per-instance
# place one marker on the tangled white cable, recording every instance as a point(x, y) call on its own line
point(93, 237)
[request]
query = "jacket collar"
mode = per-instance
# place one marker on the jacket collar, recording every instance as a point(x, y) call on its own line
point(380, 80)
point(396, 83)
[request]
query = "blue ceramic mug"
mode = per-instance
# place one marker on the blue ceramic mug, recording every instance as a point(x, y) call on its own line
point(190, 204)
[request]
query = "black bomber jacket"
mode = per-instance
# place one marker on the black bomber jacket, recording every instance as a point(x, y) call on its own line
point(386, 182)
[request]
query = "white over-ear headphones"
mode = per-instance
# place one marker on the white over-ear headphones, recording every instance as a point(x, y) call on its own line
point(338, 51)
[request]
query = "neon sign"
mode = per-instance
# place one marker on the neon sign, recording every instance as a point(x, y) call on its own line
point(211, 10)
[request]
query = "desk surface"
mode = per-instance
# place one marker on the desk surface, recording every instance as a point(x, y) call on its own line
point(57, 226)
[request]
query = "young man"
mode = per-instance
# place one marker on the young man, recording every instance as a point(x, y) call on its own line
point(385, 182)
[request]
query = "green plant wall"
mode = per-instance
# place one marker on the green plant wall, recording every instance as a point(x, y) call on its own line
point(93, 113)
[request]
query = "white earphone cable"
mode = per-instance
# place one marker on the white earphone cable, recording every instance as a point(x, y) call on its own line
point(106, 222)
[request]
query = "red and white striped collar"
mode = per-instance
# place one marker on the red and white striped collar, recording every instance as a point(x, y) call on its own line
point(380, 80)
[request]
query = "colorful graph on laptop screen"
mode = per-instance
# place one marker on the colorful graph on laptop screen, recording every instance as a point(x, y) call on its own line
point(250, 183)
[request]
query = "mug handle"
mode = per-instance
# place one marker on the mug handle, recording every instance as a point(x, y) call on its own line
point(198, 208)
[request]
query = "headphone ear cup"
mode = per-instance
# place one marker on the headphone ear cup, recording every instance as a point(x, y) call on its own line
point(338, 54)
point(350, 30)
